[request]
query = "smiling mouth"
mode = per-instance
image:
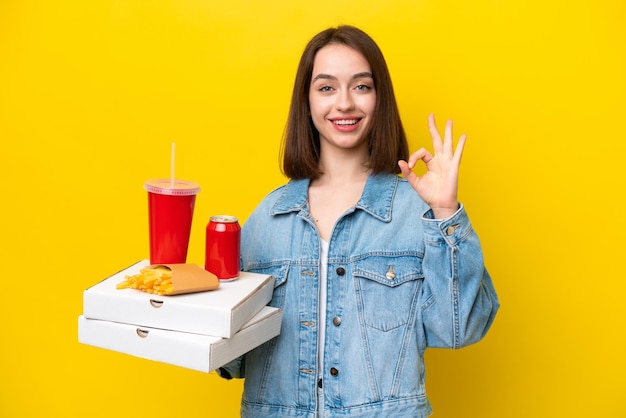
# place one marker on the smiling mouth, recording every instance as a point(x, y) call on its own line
point(346, 122)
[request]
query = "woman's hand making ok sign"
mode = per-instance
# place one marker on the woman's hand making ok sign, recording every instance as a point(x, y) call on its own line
point(439, 185)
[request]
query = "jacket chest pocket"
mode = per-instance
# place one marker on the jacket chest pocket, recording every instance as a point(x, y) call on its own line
point(280, 274)
point(387, 290)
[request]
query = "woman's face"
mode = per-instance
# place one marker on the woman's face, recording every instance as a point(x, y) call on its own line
point(342, 97)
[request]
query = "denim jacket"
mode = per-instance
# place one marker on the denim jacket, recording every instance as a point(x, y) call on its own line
point(398, 282)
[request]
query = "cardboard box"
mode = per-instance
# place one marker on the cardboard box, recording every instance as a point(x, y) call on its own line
point(220, 312)
point(193, 351)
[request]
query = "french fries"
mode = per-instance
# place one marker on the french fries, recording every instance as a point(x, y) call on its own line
point(152, 280)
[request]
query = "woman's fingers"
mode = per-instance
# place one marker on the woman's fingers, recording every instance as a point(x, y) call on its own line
point(447, 139)
point(434, 134)
point(421, 154)
point(458, 152)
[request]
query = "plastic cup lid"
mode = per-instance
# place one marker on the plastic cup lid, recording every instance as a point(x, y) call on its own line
point(164, 186)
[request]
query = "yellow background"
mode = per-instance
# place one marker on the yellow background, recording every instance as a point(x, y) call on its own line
point(92, 93)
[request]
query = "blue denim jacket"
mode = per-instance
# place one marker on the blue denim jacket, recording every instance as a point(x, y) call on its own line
point(398, 282)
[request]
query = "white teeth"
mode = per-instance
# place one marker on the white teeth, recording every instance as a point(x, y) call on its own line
point(345, 122)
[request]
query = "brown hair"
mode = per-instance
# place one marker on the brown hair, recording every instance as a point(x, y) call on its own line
point(386, 138)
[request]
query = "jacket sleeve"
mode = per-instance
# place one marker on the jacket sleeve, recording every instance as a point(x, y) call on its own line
point(232, 369)
point(459, 301)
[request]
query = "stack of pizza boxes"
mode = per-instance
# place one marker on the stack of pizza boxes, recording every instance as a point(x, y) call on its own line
point(202, 325)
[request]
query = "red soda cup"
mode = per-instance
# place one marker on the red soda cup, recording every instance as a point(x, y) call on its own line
point(170, 208)
point(223, 244)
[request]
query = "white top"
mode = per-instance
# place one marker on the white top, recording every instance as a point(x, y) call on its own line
point(322, 321)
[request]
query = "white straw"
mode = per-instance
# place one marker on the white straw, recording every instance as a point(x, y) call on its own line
point(172, 164)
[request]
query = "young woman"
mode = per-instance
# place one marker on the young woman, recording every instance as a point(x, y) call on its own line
point(370, 268)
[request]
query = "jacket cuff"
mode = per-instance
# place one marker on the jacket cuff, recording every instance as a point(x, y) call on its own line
point(232, 369)
point(451, 230)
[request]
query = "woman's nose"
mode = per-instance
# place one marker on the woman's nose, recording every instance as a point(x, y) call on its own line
point(344, 101)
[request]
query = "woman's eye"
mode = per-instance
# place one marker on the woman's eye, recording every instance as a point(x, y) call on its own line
point(325, 89)
point(363, 87)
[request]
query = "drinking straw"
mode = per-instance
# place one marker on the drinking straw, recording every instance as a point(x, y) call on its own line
point(172, 164)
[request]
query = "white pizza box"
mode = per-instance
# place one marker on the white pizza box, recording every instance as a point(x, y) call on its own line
point(220, 312)
point(193, 351)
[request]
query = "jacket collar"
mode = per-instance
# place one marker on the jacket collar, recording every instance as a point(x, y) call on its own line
point(377, 197)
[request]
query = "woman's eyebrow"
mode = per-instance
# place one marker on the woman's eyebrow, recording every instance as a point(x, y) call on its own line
point(364, 74)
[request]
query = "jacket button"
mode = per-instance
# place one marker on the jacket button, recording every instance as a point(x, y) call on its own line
point(450, 230)
point(336, 321)
point(334, 372)
point(340, 271)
